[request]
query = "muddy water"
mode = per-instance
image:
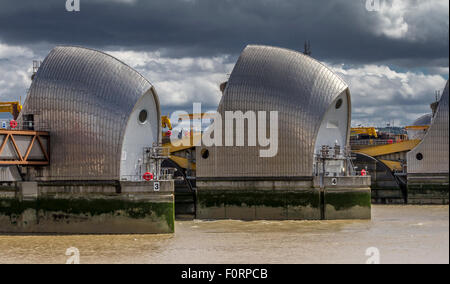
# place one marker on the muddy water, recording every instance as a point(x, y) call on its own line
point(402, 234)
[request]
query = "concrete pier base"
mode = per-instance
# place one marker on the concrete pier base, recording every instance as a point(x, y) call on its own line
point(387, 195)
point(87, 208)
point(340, 198)
point(428, 189)
point(254, 204)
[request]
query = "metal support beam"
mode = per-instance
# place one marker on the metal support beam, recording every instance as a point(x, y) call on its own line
point(22, 157)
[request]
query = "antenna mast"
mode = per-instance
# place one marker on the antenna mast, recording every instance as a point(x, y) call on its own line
point(307, 48)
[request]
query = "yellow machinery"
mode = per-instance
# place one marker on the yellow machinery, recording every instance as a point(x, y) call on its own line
point(165, 122)
point(13, 108)
point(371, 131)
point(394, 166)
point(185, 143)
point(417, 127)
point(176, 152)
point(381, 150)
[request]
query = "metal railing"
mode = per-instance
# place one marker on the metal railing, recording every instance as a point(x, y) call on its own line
point(373, 142)
point(166, 174)
point(34, 125)
point(157, 152)
point(25, 125)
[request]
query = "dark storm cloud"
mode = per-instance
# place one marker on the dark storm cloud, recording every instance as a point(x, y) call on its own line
point(393, 59)
point(340, 30)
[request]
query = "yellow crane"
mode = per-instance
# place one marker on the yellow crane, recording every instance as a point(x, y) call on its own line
point(371, 131)
point(13, 108)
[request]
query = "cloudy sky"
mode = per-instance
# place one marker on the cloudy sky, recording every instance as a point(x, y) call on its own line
point(394, 55)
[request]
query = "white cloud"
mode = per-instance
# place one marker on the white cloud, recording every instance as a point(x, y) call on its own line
point(180, 81)
point(10, 51)
point(381, 94)
point(411, 19)
point(444, 71)
point(15, 69)
point(392, 19)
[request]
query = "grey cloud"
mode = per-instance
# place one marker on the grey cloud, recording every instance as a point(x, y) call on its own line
point(339, 30)
point(381, 94)
point(186, 48)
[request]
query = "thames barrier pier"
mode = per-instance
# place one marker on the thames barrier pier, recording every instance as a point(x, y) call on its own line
point(87, 208)
point(340, 198)
point(311, 176)
point(410, 168)
point(427, 163)
point(86, 155)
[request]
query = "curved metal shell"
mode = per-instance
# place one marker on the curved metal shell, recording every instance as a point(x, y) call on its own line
point(84, 98)
point(300, 88)
point(434, 148)
point(424, 120)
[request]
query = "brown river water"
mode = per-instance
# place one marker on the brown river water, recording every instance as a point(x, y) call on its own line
point(401, 234)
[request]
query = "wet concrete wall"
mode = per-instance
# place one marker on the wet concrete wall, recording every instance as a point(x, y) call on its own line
point(428, 189)
point(385, 189)
point(340, 198)
point(87, 208)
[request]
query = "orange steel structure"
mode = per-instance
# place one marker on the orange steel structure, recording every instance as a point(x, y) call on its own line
point(22, 158)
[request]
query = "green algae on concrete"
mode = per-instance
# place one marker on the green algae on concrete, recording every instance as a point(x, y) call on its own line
point(441, 189)
point(387, 195)
point(249, 198)
point(428, 188)
point(428, 194)
point(347, 204)
point(86, 209)
point(258, 204)
point(349, 197)
point(13, 207)
point(346, 200)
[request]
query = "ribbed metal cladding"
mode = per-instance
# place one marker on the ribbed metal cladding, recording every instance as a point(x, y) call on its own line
point(434, 147)
point(268, 79)
point(423, 120)
point(84, 98)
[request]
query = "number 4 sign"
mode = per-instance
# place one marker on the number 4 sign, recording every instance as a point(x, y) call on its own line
point(334, 181)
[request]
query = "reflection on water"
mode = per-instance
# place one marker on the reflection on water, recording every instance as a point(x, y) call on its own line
point(403, 234)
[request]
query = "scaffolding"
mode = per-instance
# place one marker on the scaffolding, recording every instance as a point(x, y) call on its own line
point(153, 157)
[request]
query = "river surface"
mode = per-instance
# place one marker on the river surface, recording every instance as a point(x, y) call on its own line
point(400, 234)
